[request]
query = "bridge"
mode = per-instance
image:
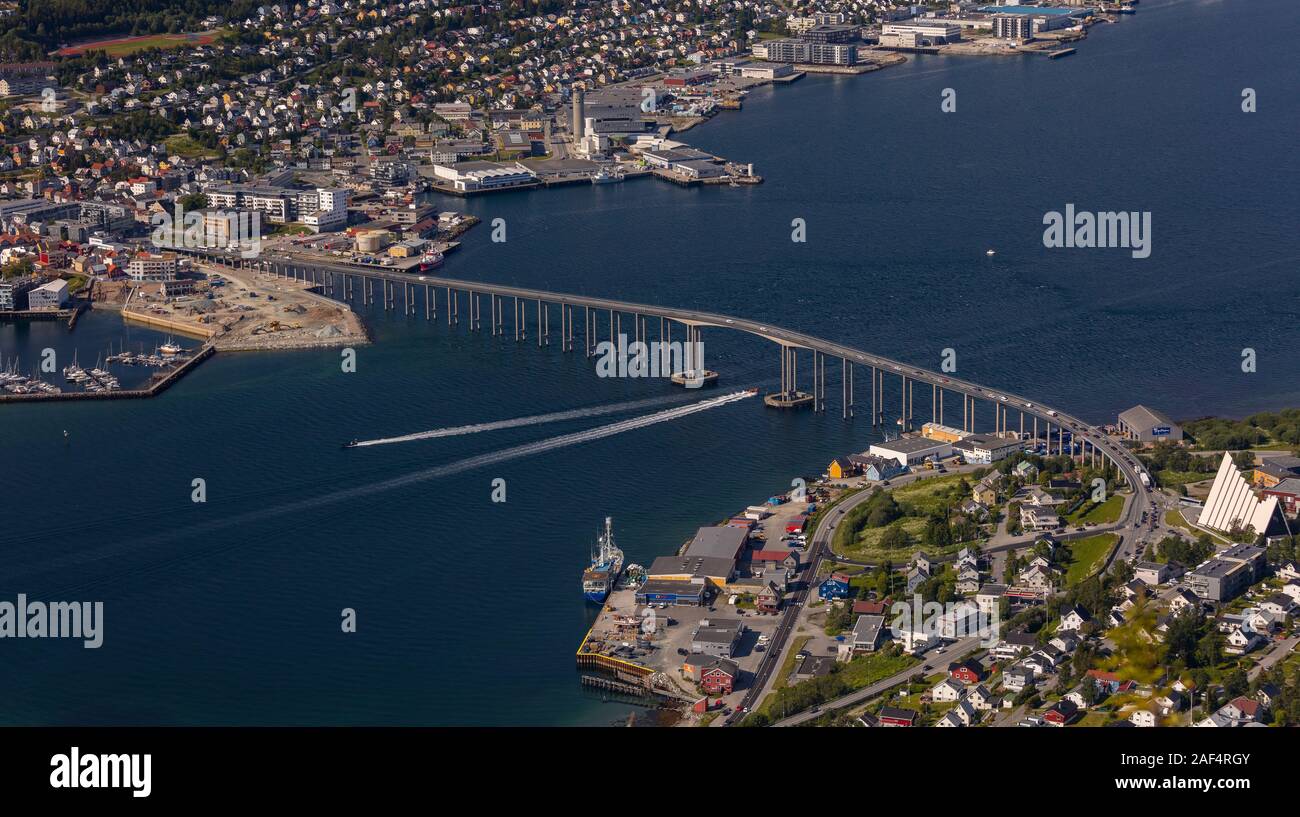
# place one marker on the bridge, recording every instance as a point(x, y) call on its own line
point(343, 280)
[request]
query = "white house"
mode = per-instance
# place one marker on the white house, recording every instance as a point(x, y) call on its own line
point(1073, 619)
point(1142, 717)
point(947, 691)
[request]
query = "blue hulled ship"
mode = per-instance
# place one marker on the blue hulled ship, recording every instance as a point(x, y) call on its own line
point(606, 566)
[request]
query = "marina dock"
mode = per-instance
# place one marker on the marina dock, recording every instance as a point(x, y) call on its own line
point(156, 387)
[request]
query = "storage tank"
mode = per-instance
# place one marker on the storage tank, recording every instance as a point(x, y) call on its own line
point(372, 240)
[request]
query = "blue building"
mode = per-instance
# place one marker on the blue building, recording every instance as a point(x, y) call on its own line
point(877, 468)
point(836, 586)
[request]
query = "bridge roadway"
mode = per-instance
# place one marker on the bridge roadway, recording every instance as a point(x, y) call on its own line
point(324, 273)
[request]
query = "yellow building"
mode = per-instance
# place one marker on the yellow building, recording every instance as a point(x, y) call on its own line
point(946, 434)
point(698, 570)
point(840, 468)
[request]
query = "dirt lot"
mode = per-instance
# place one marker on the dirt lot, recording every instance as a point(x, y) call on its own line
point(253, 311)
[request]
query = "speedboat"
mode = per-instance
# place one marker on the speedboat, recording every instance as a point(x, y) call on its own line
point(352, 444)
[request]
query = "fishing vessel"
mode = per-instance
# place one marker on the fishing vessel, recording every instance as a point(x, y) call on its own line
point(430, 260)
point(170, 348)
point(606, 566)
point(606, 176)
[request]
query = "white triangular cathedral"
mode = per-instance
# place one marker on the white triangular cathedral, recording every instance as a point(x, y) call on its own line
point(1231, 500)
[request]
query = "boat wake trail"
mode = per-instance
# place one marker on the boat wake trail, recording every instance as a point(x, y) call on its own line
point(333, 498)
point(528, 449)
point(536, 419)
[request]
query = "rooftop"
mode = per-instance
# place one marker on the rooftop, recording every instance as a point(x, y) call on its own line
point(721, 542)
point(911, 445)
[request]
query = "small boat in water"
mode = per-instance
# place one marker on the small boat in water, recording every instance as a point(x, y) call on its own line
point(606, 176)
point(990, 252)
point(606, 566)
point(352, 444)
point(170, 348)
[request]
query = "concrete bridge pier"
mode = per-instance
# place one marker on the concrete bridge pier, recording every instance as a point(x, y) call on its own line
point(789, 397)
point(852, 403)
point(903, 415)
point(875, 412)
point(844, 388)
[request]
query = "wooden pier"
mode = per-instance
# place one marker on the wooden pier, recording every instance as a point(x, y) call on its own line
point(154, 389)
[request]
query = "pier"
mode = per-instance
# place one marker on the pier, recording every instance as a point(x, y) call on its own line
point(155, 388)
point(603, 318)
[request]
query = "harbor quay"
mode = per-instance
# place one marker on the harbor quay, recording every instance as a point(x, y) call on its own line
point(694, 627)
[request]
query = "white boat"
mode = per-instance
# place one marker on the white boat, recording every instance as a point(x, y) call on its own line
point(605, 176)
point(989, 252)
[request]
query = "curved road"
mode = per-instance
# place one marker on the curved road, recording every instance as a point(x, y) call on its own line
point(1111, 449)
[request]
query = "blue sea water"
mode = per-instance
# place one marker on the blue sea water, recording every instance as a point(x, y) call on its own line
point(228, 612)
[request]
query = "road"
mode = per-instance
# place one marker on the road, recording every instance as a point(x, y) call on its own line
point(957, 650)
point(323, 271)
point(779, 645)
point(1278, 651)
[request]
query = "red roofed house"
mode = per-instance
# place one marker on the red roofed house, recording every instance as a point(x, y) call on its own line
point(870, 608)
point(774, 560)
point(1242, 709)
point(1109, 682)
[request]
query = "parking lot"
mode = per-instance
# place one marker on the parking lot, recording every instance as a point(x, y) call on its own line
point(666, 636)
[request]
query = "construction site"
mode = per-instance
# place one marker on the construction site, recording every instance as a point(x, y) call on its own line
point(243, 310)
